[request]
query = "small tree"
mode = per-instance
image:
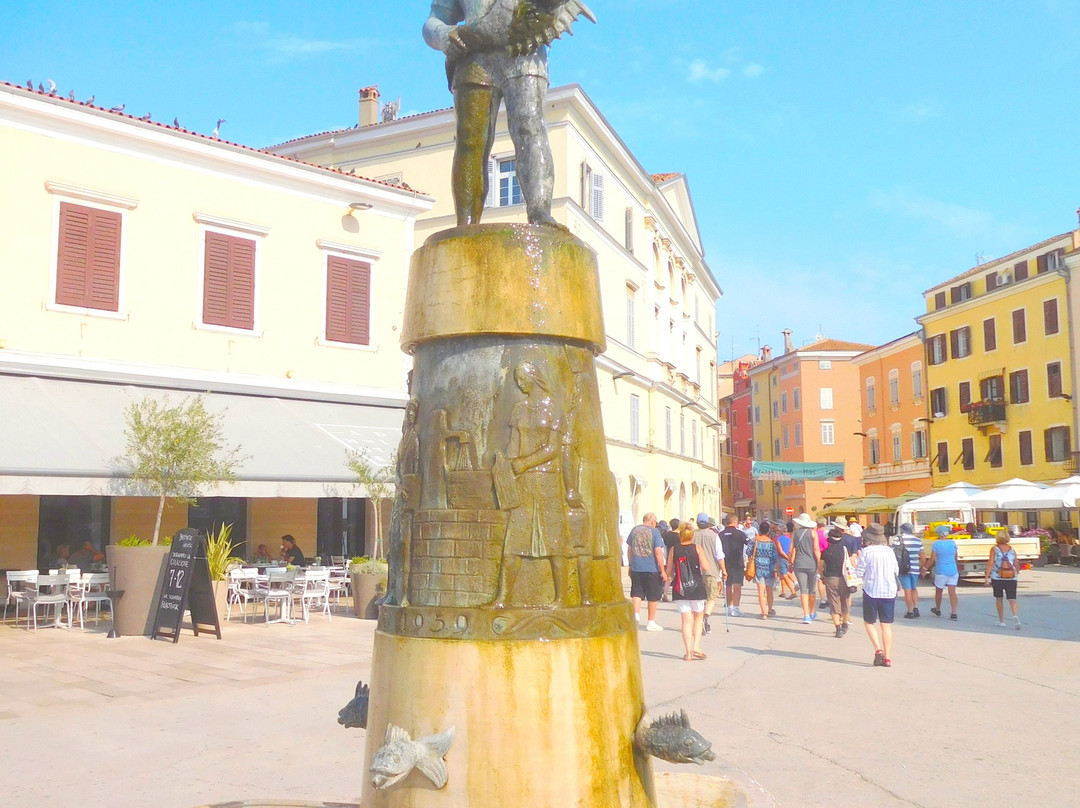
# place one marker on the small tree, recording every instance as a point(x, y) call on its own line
point(381, 485)
point(176, 450)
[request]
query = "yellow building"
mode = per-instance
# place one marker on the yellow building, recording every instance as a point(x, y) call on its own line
point(895, 418)
point(145, 260)
point(1000, 374)
point(658, 375)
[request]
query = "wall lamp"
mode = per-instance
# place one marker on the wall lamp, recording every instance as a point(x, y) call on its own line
point(859, 433)
point(623, 374)
point(353, 206)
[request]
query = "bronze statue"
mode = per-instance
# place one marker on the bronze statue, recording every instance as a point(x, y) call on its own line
point(497, 49)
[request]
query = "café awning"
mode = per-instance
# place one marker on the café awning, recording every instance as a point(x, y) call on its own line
point(61, 437)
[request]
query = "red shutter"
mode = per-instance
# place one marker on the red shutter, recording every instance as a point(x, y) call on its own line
point(88, 258)
point(348, 301)
point(229, 281)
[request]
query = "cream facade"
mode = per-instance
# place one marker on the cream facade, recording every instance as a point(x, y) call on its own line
point(658, 375)
point(90, 323)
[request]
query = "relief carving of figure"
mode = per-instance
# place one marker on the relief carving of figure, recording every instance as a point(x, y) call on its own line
point(405, 504)
point(537, 524)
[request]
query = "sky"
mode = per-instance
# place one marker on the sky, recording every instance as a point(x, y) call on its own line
point(842, 157)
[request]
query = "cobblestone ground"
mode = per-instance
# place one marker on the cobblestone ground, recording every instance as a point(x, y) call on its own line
point(969, 713)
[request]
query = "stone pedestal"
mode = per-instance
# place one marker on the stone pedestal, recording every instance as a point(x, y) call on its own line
point(505, 615)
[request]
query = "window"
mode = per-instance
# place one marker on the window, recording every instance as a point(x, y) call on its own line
point(964, 395)
point(935, 349)
point(88, 258)
point(918, 444)
point(990, 334)
point(668, 425)
point(229, 281)
point(875, 452)
point(592, 192)
point(916, 380)
point(760, 455)
point(1050, 261)
point(828, 435)
point(1019, 325)
point(1053, 380)
point(749, 415)
point(1050, 316)
point(960, 342)
point(506, 177)
point(795, 399)
point(693, 439)
point(348, 300)
point(993, 457)
point(826, 398)
point(635, 419)
point(757, 414)
point(756, 388)
point(786, 436)
point(992, 388)
point(775, 380)
point(776, 409)
point(960, 293)
point(967, 453)
point(871, 394)
point(734, 419)
point(897, 447)
point(1018, 387)
point(798, 434)
point(943, 457)
point(1020, 271)
point(939, 300)
point(631, 329)
point(937, 402)
point(776, 447)
point(1056, 441)
point(783, 402)
point(1027, 456)
point(894, 388)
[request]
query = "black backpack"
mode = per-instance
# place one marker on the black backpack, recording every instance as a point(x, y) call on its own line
point(903, 558)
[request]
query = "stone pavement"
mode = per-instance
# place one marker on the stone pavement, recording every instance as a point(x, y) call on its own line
point(969, 713)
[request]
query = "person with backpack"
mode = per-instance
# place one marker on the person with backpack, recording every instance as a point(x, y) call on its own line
point(909, 555)
point(1002, 570)
point(687, 565)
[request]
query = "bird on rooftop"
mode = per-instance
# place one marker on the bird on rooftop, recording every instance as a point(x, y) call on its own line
point(90, 101)
point(119, 108)
point(214, 134)
point(29, 84)
point(176, 122)
point(145, 117)
point(40, 87)
point(71, 95)
point(52, 86)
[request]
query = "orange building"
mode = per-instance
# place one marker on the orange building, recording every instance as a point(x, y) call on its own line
point(895, 418)
point(805, 409)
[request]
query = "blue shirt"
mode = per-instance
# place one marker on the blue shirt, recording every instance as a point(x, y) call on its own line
point(642, 542)
point(945, 557)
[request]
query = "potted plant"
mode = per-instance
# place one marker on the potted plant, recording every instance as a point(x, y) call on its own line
point(220, 560)
point(173, 452)
point(368, 579)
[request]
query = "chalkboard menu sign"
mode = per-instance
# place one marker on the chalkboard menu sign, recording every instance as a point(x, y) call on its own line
point(186, 587)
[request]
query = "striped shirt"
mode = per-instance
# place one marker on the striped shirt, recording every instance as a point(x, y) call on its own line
point(878, 568)
point(914, 547)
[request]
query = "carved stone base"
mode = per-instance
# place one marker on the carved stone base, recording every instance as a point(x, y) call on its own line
point(506, 624)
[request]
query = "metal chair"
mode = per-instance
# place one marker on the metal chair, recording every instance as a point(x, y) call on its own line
point(242, 588)
point(316, 590)
point(87, 588)
point(339, 584)
point(52, 590)
point(20, 584)
point(278, 589)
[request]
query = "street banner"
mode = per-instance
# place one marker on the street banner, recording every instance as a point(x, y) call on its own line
point(796, 472)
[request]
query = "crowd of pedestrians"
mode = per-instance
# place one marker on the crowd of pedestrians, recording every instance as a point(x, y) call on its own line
point(695, 563)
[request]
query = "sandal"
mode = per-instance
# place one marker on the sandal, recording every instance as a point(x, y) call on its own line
point(764, 617)
point(688, 658)
point(697, 654)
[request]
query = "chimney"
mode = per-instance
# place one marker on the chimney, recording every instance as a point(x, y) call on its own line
point(369, 105)
point(766, 353)
point(789, 346)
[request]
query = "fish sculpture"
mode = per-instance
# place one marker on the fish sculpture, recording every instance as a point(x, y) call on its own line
point(671, 738)
point(354, 714)
point(400, 754)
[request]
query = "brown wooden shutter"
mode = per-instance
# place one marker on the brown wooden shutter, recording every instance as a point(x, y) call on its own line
point(1019, 326)
point(348, 301)
point(1026, 458)
point(939, 300)
point(1020, 271)
point(88, 258)
point(1048, 444)
point(1050, 316)
point(229, 281)
point(954, 343)
point(1040, 264)
point(991, 281)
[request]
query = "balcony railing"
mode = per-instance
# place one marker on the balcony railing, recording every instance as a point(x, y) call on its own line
point(1072, 463)
point(986, 412)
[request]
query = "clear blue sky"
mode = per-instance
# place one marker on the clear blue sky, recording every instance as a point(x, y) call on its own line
point(843, 157)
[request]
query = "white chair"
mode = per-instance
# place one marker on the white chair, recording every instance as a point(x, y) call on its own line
point(87, 588)
point(20, 585)
point(242, 587)
point(337, 561)
point(316, 590)
point(52, 590)
point(339, 584)
point(277, 589)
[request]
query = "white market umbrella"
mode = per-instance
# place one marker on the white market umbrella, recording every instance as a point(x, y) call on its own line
point(1060, 495)
point(1012, 495)
point(947, 497)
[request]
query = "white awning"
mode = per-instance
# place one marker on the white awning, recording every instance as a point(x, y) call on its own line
point(61, 436)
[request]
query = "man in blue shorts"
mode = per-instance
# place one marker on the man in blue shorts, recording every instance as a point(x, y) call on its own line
point(878, 569)
point(647, 563)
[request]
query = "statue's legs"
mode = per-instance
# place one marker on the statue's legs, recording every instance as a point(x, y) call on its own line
point(535, 168)
point(477, 109)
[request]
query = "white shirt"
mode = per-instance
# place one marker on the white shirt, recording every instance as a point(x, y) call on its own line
point(878, 569)
point(855, 529)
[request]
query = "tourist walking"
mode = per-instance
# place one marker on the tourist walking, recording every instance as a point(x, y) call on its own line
point(878, 569)
point(836, 588)
point(909, 578)
point(733, 542)
point(647, 569)
point(946, 572)
point(707, 539)
point(687, 566)
point(1002, 571)
point(805, 560)
point(787, 572)
point(766, 568)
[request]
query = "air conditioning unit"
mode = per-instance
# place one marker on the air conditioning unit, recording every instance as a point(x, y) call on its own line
point(1004, 277)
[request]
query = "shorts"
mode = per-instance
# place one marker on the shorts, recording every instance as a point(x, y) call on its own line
point(909, 581)
point(784, 567)
point(942, 581)
point(735, 575)
point(765, 580)
point(646, 585)
point(807, 580)
point(712, 587)
point(1004, 588)
point(836, 592)
point(684, 606)
point(877, 608)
